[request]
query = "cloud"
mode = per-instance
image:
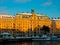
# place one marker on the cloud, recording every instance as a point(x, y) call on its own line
point(3, 10)
point(22, 1)
point(47, 3)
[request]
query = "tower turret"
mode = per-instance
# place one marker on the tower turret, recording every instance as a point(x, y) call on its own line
point(32, 11)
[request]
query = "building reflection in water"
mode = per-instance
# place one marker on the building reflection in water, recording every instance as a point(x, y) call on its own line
point(32, 43)
point(44, 43)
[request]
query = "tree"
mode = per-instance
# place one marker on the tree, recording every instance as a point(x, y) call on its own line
point(45, 29)
point(29, 32)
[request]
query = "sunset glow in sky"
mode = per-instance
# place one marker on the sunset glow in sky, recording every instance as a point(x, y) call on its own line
point(49, 7)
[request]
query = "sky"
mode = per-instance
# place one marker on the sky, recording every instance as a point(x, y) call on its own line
point(45, 7)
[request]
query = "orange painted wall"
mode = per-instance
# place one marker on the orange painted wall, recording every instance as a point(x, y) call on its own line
point(31, 22)
point(24, 23)
point(57, 24)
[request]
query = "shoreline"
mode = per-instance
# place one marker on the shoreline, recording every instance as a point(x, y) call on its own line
point(20, 40)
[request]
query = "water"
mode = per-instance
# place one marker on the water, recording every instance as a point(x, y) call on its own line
point(32, 43)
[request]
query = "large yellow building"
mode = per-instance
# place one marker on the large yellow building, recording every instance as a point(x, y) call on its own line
point(25, 21)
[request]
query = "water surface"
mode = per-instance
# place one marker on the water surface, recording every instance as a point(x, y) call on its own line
point(32, 43)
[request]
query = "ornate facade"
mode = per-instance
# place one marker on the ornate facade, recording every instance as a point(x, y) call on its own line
point(26, 21)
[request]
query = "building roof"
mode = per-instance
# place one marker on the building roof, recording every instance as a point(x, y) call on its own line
point(56, 19)
point(25, 13)
point(5, 15)
point(30, 14)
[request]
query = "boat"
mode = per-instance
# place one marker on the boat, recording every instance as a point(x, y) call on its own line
point(43, 37)
point(5, 36)
point(46, 38)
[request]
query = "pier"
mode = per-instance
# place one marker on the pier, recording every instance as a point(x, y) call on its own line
point(8, 37)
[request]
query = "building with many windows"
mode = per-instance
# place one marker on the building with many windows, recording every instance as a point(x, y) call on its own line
point(26, 21)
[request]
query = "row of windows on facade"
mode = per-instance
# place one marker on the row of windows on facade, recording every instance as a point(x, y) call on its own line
point(13, 24)
point(40, 17)
point(56, 18)
point(3, 17)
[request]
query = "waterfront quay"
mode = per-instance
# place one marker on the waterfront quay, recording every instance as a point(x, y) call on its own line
point(5, 36)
